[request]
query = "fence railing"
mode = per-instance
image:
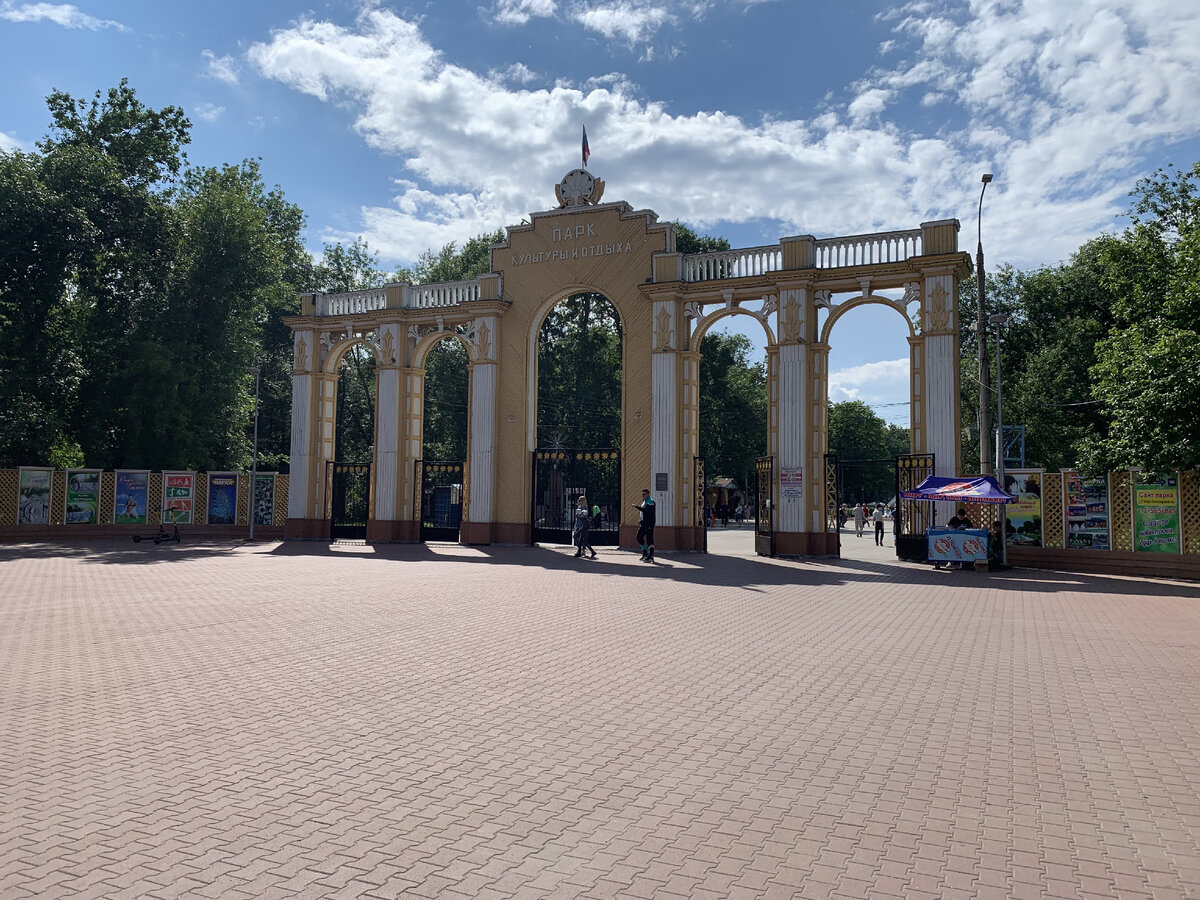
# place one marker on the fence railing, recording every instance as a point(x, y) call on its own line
point(866, 249)
point(412, 296)
point(732, 263)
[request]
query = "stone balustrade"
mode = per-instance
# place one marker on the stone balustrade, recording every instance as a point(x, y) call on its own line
point(351, 302)
point(867, 249)
point(412, 296)
point(435, 296)
point(732, 263)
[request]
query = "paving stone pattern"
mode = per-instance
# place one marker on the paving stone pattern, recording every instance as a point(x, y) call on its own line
point(304, 721)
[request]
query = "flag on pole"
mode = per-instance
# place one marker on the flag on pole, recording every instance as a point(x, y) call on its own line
point(586, 151)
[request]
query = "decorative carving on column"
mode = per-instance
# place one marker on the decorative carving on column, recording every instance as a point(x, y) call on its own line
point(693, 309)
point(301, 359)
point(663, 332)
point(912, 292)
point(937, 315)
point(387, 348)
point(790, 319)
point(482, 338)
point(770, 304)
point(823, 299)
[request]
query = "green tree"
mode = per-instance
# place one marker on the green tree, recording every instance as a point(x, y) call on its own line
point(733, 408)
point(579, 374)
point(866, 446)
point(688, 240)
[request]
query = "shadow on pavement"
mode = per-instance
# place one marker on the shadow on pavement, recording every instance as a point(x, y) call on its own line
point(748, 573)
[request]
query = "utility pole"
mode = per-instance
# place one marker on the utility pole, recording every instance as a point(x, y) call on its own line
point(985, 407)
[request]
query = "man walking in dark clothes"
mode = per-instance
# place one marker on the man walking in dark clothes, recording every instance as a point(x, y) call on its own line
point(645, 533)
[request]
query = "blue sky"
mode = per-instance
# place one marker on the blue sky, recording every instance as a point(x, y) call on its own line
point(417, 124)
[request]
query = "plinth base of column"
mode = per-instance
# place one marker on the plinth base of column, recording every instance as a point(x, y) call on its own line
point(475, 533)
point(306, 530)
point(805, 543)
point(392, 532)
point(668, 537)
point(511, 533)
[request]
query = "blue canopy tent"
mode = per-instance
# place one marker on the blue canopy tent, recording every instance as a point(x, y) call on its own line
point(983, 489)
point(943, 545)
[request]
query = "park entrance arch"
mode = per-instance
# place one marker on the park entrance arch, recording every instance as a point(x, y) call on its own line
point(665, 302)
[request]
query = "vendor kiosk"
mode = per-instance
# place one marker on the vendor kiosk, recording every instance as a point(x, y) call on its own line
point(961, 545)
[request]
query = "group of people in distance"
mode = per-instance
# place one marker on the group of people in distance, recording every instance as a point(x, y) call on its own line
point(586, 517)
point(863, 513)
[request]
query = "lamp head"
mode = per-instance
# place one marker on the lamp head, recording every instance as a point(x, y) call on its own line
point(253, 370)
point(998, 318)
point(987, 178)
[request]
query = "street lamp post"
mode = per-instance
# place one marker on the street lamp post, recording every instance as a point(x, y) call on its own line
point(985, 409)
point(254, 463)
point(998, 320)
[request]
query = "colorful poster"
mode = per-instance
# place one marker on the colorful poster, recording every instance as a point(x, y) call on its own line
point(83, 497)
point(222, 498)
point(1024, 516)
point(178, 497)
point(33, 496)
point(132, 498)
point(1086, 508)
point(264, 498)
point(1156, 513)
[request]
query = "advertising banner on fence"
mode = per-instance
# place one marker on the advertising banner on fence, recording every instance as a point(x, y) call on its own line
point(178, 497)
point(264, 498)
point(1024, 516)
point(83, 497)
point(33, 496)
point(1086, 512)
point(1156, 513)
point(222, 498)
point(132, 500)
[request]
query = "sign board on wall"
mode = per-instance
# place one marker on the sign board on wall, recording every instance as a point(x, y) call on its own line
point(222, 498)
point(1156, 513)
point(1024, 516)
point(264, 498)
point(83, 497)
point(33, 495)
point(791, 482)
point(132, 497)
point(178, 497)
point(1085, 512)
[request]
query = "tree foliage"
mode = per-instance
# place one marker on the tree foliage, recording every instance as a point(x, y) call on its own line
point(733, 408)
point(866, 447)
point(579, 374)
point(135, 291)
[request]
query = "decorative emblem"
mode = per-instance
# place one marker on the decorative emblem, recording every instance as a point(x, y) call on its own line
point(483, 341)
point(387, 348)
point(938, 315)
point(579, 188)
point(791, 319)
point(663, 330)
point(301, 354)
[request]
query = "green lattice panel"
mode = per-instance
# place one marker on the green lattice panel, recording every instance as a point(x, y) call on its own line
point(1189, 509)
point(200, 499)
point(1052, 510)
point(281, 499)
point(108, 497)
point(9, 489)
point(154, 499)
point(58, 498)
point(1121, 511)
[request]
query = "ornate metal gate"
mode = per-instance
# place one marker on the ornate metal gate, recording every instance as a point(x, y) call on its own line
point(699, 483)
point(439, 498)
point(915, 516)
point(833, 505)
point(560, 477)
point(348, 499)
point(764, 518)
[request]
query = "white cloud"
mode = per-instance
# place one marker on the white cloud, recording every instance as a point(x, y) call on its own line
point(633, 22)
point(65, 14)
point(208, 112)
point(10, 144)
point(873, 383)
point(1060, 105)
point(518, 12)
point(222, 68)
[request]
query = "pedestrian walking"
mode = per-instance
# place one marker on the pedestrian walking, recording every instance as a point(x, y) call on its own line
point(645, 533)
point(877, 517)
point(583, 525)
point(860, 518)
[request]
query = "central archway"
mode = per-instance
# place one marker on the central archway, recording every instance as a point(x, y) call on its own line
point(578, 406)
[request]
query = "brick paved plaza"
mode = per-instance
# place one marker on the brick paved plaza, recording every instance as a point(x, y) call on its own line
point(296, 720)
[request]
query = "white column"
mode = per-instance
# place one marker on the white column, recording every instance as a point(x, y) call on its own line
point(793, 433)
point(663, 424)
point(387, 444)
point(482, 466)
point(941, 373)
point(301, 503)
